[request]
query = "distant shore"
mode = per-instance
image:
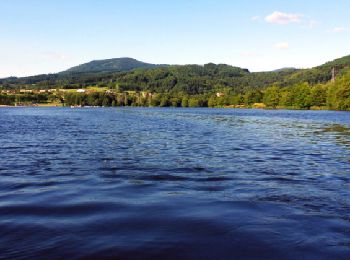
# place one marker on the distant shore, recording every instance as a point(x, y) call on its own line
point(225, 107)
point(34, 105)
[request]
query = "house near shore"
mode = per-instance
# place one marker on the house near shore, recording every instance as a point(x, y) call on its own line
point(146, 94)
point(8, 91)
point(25, 91)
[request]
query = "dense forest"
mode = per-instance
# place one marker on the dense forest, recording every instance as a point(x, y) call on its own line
point(209, 85)
point(332, 95)
point(111, 65)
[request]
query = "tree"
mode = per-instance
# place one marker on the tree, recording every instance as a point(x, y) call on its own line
point(301, 96)
point(175, 102)
point(164, 101)
point(155, 101)
point(272, 96)
point(193, 102)
point(318, 95)
point(212, 101)
point(286, 98)
point(252, 96)
point(184, 101)
point(338, 95)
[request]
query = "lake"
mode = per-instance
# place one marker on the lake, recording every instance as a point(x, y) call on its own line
point(174, 183)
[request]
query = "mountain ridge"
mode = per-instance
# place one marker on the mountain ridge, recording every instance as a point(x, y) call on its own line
point(136, 64)
point(111, 65)
point(133, 75)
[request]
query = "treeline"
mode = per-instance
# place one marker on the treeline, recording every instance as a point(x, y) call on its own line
point(334, 95)
point(27, 99)
point(299, 96)
point(134, 99)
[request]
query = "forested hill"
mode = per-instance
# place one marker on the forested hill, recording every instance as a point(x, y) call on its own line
point(320, 74)
point(110, 65)
point(186, 79)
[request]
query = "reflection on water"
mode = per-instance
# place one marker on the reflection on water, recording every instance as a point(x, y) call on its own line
point(340, 133)
point(336, 128)
point(171, 183)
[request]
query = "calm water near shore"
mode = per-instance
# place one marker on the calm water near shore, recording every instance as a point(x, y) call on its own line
point(174, 183)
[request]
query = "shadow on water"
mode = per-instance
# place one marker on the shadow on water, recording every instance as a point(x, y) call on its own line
point(336, 128)
point(341, 133)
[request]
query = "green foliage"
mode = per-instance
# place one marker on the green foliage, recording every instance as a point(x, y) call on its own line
point(164, 101)
point(338, 95)
point(184, 101)
point(272, 96)
point(318, 95)
point(286, 98)
point(301, 96)
point(193, 102)
point(298, 96)
point(187, 86)
point(212, 102)
point(127, 74)
point(8, 100)
point(252, 96)
point(110, 65)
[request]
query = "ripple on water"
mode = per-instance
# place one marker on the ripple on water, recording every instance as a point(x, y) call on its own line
point(174, 183)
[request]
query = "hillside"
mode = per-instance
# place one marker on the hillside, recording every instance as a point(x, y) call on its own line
point(111, 65)
point(322, 73)
point(129, 74)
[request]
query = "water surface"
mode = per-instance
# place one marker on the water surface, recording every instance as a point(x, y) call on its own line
point(171, 183)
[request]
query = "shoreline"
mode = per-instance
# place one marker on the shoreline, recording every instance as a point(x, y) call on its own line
point(226, 107)
point(34, 105)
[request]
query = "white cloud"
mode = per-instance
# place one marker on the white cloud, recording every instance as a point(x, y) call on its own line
point(255, 18)
point(337, 30)
point(283, 18)
point(282, 45)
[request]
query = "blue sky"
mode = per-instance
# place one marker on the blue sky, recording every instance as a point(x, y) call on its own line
point(41, 36)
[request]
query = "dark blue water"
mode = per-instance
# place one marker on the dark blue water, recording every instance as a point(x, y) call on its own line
point(174, 183)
